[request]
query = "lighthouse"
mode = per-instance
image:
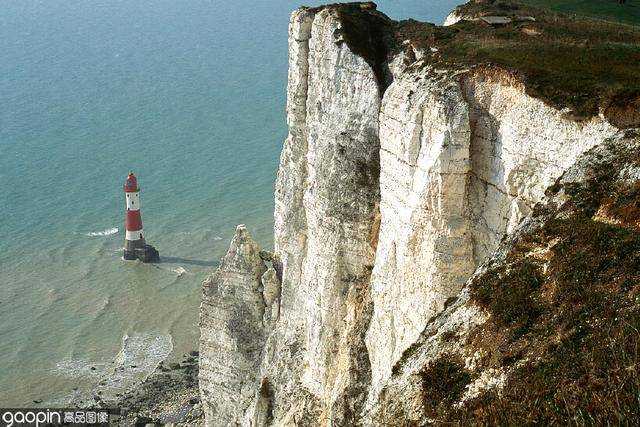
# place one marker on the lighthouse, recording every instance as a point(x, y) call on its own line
point(135, 246)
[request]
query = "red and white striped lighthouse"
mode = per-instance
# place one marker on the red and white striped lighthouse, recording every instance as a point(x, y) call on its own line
point(135, 246)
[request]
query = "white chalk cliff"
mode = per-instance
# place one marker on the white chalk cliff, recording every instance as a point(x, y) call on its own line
point(396, 181)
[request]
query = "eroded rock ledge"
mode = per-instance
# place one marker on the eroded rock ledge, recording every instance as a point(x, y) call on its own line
point(400, 175)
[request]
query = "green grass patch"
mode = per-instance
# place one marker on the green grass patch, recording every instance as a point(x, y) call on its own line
point(609, 10)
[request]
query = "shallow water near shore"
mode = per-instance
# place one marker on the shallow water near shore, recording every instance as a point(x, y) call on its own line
point(190, 96)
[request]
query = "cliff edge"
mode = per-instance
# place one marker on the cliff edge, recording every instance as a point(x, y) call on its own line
point(418, 158)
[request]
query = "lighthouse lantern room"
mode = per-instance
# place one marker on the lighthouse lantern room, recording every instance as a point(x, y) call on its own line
point(135, 246)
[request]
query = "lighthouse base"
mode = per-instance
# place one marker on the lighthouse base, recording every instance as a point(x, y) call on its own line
point(146, 253)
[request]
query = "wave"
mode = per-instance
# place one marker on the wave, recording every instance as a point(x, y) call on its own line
point(102, 308)
point(79, 368)
point(107, 232)
point(205, 233)
point(179, 271)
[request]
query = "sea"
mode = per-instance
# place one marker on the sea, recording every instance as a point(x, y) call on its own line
point(190, 96)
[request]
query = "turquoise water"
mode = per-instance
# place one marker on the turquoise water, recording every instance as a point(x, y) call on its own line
point(189, 95)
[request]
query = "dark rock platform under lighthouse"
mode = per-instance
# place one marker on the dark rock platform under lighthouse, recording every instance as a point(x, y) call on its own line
point(145, 253)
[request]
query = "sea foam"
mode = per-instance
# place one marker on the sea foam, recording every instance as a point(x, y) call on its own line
point(107, 232)
point(138, 357)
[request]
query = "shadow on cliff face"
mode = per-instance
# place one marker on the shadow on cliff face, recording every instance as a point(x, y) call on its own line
point(367, 32)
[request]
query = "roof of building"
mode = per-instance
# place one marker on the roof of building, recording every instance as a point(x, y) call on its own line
point(496, 20)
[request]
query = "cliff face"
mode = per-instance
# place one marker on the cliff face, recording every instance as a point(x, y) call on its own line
point(463, 159)
point(232, 332)
point(327, 187)
point(397, 180)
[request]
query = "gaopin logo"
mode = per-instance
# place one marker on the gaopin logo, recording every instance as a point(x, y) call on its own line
point(31, 418)
point(50, 417)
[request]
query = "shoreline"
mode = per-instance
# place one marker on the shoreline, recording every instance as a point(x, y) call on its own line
point(169, 396)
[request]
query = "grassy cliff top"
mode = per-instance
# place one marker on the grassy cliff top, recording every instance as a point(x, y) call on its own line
point(570, 62)
point(583, 65)
point(626, 12)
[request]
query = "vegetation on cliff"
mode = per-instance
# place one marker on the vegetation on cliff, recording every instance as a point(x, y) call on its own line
point(624, 11)
point(564, 314)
